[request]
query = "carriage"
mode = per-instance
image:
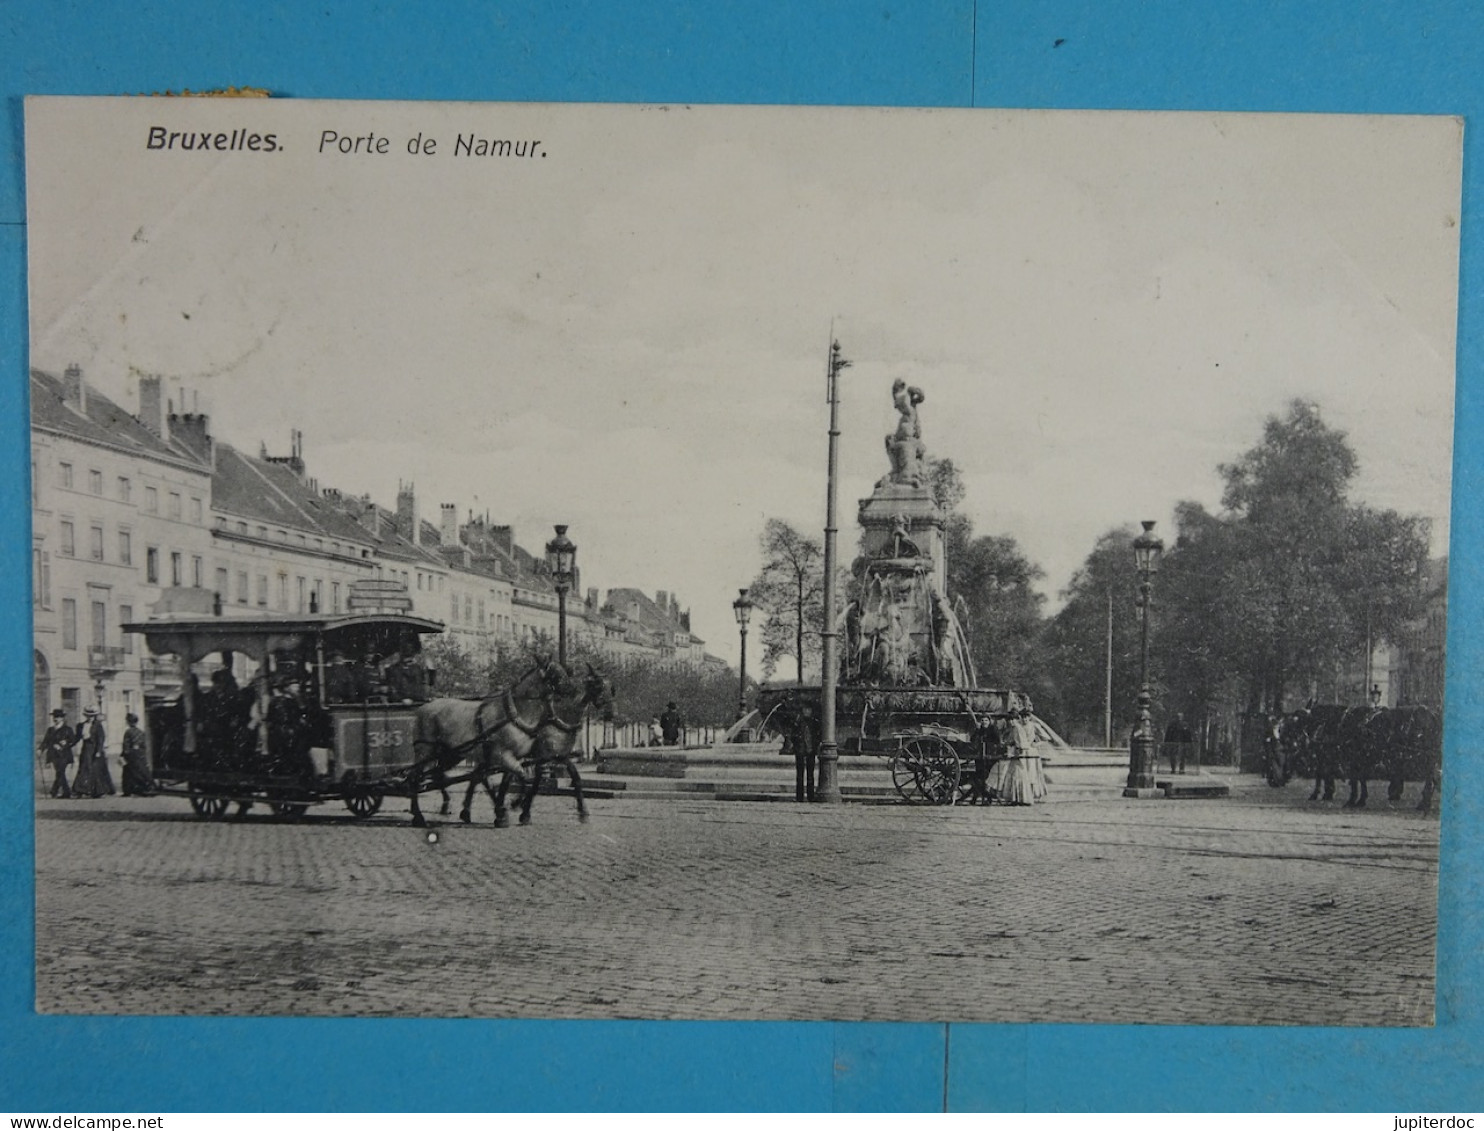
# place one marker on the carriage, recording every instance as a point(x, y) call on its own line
point(296, 711)
point(942, 743)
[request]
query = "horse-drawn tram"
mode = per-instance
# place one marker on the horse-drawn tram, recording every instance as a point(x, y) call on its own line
point(287, 711)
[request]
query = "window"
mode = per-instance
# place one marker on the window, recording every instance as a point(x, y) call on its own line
point(175, 504)
point(69, 624)
point(301, 594)
point(152, 565)
point(454, 615)
point(95, 481)
point(242, 586)
point(151, 500)
point(195, 510)
point(223, 581)
point(126, 548)
point(177, 568)
point(334, 596)
point(35, 481)
point(69, 545)
point(64, 474)
point(100, 624)
point(198, 571)
point(41, 579)
point(95, 543)
point(468, 609)
point(126, 614)
point(283, 592)
point(481, 612)
point(124, 488)
point(262, 591)
point(317, 597)
point(242, 528)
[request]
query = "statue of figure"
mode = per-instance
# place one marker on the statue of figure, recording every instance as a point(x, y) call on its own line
point(904, 446)
point(902, 545)
point(852, 638)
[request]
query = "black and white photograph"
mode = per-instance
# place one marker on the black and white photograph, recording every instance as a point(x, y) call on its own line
point(739, 562)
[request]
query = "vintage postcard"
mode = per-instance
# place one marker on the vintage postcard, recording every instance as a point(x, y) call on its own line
point(596, 561)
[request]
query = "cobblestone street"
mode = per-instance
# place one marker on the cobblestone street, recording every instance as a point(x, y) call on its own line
point(1255, 909)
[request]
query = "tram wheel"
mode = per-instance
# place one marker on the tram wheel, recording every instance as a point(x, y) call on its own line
point(207, 806)
point(364, 803)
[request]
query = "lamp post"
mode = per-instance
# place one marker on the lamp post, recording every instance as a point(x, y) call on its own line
point(742, 606)
point(561, 555)
point(1141, 747)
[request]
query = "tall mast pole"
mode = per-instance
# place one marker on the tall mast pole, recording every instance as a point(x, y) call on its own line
point(1108, 688)
point(829, 755)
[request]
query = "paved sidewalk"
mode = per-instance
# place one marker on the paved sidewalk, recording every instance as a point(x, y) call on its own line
point(1251, 910)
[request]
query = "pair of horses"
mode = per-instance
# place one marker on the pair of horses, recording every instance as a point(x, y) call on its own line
point(1395, 744)
point(532, 724)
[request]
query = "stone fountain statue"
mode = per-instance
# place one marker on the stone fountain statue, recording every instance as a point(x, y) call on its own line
point(900, 630)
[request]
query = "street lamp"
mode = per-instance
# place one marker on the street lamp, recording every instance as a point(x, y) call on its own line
point(1141, 749)
point(561, 556)
point(742, 606)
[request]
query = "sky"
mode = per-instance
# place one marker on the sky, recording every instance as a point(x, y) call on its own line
point(626, 329)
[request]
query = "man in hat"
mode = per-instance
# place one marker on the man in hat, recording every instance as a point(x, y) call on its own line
point(671, 723)
point(136, 780)
point(56, 748)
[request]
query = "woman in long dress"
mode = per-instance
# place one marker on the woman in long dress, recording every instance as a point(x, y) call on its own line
point(1020, 779)
point(93, 778)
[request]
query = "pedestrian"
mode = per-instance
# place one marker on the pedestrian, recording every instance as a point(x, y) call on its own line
point(56, 748)
point(1178, 740)
point(93, 778)
point(1020, 780)
point(670, 724)
point(136, 779)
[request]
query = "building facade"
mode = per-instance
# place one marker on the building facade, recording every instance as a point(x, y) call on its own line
point(130, 507)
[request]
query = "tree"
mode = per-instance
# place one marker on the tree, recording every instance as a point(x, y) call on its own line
point(993, 585)
point(1074, 648)
point(789, 592)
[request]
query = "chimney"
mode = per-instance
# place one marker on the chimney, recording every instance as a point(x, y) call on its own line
point(674, 607)
point(368, 517)
point(193, 429)
point(74, 389)
point(448, 527)
point(592, 598)
point(685, 620)
point(152, 405)
point(407, 523)
point(662, 599)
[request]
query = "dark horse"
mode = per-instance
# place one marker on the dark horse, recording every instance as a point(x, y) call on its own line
point(535, 721)
point(1398, 744)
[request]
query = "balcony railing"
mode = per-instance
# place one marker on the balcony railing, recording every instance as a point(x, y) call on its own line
point(105, 660)
point(159, 669)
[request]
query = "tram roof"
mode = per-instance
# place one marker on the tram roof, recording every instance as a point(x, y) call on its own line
point(193, 624)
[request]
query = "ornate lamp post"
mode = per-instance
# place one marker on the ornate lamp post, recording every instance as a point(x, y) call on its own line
point(742, 606)
point(1141, 756)
point(561, 556)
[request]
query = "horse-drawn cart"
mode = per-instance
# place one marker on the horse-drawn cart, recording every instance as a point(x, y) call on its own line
point(944, 745)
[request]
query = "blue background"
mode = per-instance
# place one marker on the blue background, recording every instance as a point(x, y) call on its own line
point(1295, 55)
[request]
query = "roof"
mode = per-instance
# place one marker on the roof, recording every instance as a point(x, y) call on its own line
point(269, 492)
point(103, 423)
point(651, 617)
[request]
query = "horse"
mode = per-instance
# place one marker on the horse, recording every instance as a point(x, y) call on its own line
point(555, 739)
point(498, 733)
point(1400, 744)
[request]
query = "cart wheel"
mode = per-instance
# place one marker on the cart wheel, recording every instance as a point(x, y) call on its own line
point(364, 802)
point(208, 807)
point(287, 809)
point(927, 771)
